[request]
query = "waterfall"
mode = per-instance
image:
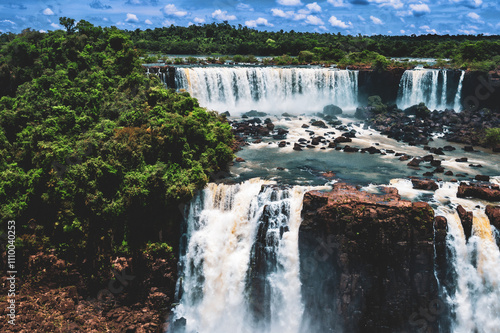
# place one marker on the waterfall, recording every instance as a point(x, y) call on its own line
point(475, 298)
point(458, 105)
point(239, 263)
point(430, 86)
point(269, 89)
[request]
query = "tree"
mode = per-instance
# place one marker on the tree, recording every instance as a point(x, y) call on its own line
point(68, 23)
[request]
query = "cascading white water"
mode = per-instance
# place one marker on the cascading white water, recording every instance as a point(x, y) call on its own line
point(475, 296)
point(431, 87)
point(476, 301)
point(269, 89)
point(227, 226)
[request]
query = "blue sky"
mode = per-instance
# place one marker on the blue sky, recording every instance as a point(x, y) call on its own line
point(367, 17)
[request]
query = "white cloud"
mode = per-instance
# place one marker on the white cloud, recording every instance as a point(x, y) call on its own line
point(361, 18)
point(42, 31)
point(314, 7)
point(396, 4)
point(376, 20)
point(258, 22)
point(337, 3)
point(199, 20)
point(338, 23)
point(48, 11)
point(244, 7)
point(427, 29)
point(420, 9)
point(148, 22)
point(171, 10)
point(468, 3)
point(314, 20)
point(279, 13)
point(55, 26)
point(167, 23)
point(222, 15)
point(298, 17)
point(131, 18)
point(402, 31)
point(474, 16)
point(7, 21)
point(290, 2)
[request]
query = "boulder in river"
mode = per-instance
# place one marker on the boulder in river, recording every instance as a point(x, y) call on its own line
point(332, 110)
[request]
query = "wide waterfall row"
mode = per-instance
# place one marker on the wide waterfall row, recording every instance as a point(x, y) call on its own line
point(240, 89)
point(239, 261)
point(436, 88)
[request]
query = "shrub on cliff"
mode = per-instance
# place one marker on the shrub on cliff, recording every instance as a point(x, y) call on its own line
point(493, 136)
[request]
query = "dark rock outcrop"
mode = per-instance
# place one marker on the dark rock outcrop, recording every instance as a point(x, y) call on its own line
point(372, 257)
point(479, 191)
point(493, 213)
point(424, 184)
point(466, 218)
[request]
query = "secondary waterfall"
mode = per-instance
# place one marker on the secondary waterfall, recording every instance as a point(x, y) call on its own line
point(239, 263)
point(475, 300)
point(435, 88)
point(269, 89)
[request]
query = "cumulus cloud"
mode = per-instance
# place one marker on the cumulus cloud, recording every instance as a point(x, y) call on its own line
point(376, 20)
point(420, 9)
point(468, 3)
point(337, 3)
point(222, 15)
point(338, 23)
point(474, 16)
point(199, 20)
point(290, 2)
point(244, 7)
point(314, 20)
point(131, 18)
point(148, 22)
point(96, 4)
point(167, 23)
point(48, 11)
point(171, 10)
point(402, 31)
point(396, 4)
point(258, 22)
point(427, 29)
point(55, 26)
point(279, 13)
point(314, 7)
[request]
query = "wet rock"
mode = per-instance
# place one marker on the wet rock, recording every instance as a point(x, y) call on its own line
point(479, 191)
point(305, 126)
point(280, 168)
point(270, 126)
point(227, 114)
point(289, 115)
point(437, 151)
point(317, 140)
point(428, 174)
point(254, 113)
point(482, 178)
point(319, 123)
point(297, 147)
point(424, 184)
point(404, 158)
point(448, 173)
point(257, 141)
point(415, 162)
point(282, 144)
point(349, 149)
point(329, 174)
point(466, 219)
point(462, 160)
point(439, 170)
point(342, 139)
point(493, 213)
point(475, 165)
point(268, 121)
point(468, 148)
point(239, 160)
point(449, 148)
point(435, 163)
point(428, 158)
point(332, 110)
point(332, 145)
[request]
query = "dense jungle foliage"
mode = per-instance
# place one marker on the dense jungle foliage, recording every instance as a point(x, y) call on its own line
point(95, 156)
point(476, 52)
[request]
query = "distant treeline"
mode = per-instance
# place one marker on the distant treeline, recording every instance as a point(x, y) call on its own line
point(224, 39)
